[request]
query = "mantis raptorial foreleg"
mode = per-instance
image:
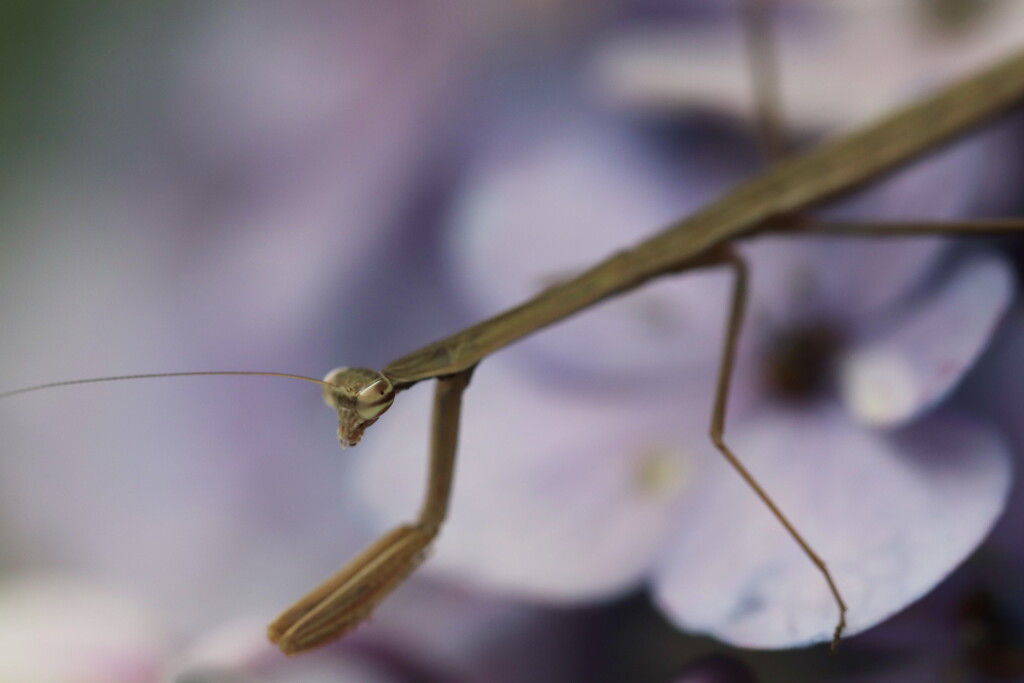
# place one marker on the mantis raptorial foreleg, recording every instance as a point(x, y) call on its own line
point(444, 434)
point(734, 325)
point(340, 603)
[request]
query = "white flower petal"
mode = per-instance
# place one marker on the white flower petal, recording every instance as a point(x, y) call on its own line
point(239, 651)
point(898, 374)
point(236, 646)
point(890, 515)
point(60, 630)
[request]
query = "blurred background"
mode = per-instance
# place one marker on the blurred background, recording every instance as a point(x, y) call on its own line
point(297, 186)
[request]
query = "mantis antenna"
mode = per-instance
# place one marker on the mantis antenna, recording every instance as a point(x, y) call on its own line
point(359, 395)
point(95, 380)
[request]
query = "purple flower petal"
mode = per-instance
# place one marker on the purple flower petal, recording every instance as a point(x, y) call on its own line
point(893, 376)
point(282, 111)
point(836, 278)
point(890, 515)
point(942, 185)
point(558, 496)
point(479, 635)
point(800, 276)
point(994, 389)
point(561, 201)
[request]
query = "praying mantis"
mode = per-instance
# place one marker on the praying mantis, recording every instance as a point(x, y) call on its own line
point(768, 204)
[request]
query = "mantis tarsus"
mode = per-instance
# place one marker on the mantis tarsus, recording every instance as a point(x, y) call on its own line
point(769, 203)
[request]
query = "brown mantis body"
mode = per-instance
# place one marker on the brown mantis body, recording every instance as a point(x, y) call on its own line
point(769, 203)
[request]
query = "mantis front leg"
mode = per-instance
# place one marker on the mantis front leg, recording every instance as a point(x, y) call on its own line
point(340, 603)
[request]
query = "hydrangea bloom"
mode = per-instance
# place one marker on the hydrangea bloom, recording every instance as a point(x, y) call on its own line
point(242, 226)
point(586, 468)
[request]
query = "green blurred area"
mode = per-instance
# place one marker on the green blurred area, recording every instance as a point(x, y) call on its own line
point(54, 56)
point(37, 42)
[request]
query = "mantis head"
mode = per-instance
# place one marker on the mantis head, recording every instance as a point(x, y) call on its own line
point(360, 396)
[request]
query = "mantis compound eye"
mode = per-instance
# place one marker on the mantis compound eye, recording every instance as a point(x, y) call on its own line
point(360, 396)
point(376, 398)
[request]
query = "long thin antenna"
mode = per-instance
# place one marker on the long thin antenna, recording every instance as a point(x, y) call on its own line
point(51, 385)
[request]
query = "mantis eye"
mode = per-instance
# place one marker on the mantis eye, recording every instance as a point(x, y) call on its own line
point(375, 399)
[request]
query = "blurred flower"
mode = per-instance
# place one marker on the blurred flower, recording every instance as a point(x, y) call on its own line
point(825, 49)
point(586, 467)
point(71, 630)
point(234, 183)
point(973, 626)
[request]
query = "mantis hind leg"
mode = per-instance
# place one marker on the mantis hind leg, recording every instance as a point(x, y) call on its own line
point(737, 308)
